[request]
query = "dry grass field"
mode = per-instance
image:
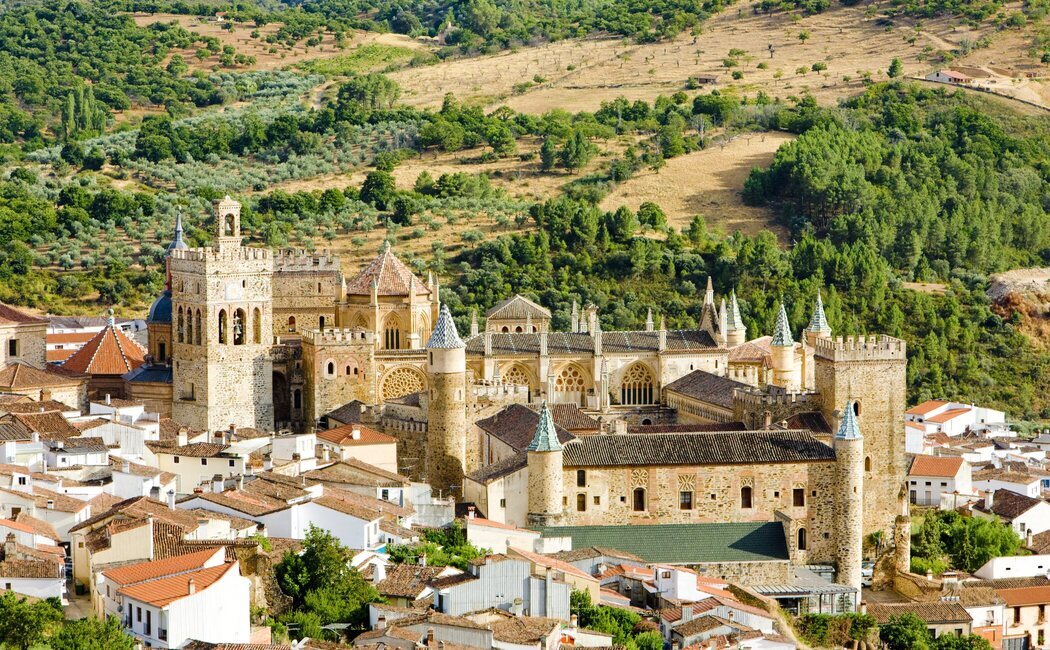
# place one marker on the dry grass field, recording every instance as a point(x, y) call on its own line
point(580, 74)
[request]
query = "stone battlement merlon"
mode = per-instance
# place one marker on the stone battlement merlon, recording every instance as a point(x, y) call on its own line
point(861, 348)
point(240, 253)
point(331, 336)
point(300, 259)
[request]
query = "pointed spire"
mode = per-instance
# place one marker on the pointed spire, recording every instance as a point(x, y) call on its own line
point(649, 320)
point(733, 320)
point(386, 245)
point(473, 322)
point(546, 436)
point(723, 317)
point(177, 242)
point(709, 295)
point(848, 427)
point(782, 333)
point(818, 323)
point(110, 321)
point(445, 336)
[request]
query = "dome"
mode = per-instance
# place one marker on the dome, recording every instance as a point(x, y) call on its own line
point(160, 310)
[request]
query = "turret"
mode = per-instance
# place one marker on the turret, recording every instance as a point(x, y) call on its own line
point(447, 415)
point(227, 223)
point(849, 490)
point(574, 317)
point(544, 458)
point(783, 351)
point(649, 320)
point(818, 327)
point(736, 331)
point(723, 318)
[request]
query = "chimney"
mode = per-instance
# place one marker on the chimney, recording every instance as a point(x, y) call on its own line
point(430, 637)
point(267, 463)
point(620, 427)
point(45, 394)
point(355, 432)
point(378, 575)
point(240, 481)
point(232, 433)
point(471, 513)
point(989, 499)
point(381, 622)
point(171, 499)
point(191, 586)
point(687, 613)
point(325, 454)
point(108, 399)
point(10, 546)
point(1028, 538)
point(183, 437)
point(863, 607)
point(767, 419)
point(50, 504)
point(125, 467)
point(574, 621)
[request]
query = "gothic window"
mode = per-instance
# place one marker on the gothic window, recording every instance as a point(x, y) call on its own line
point(162, 352)
point(505, 329)
point(745, 496)
point(637, 385)
point(801, 539)
point(360, 323)
point(222, 326)
point(189, 326)
point(291, 323)
point(392, 333)
point(798, 497)
point(571, 383)
point(402, 381)
point(181, 327)
point(256, 326)
point(424, 329)
point(330, 369)
point(516, 376)
point(867, 463)
point(348, 371)
point(517, 330)
point(197, 327)
point(297, 399)
point(238, 327)
point(639, 499)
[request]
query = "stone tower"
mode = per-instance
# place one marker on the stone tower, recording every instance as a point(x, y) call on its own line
point(222, 327)
point(783, 350)
point(447, 415)
point(870, 370)
point(736, 331)
point(545, 472)
point(849, 503)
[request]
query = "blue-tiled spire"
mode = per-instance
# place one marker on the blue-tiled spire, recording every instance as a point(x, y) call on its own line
point(848, 427)
point(546, 436)
point(445, 336)
point(782, 333)
point(733, 320)
point(819, 322)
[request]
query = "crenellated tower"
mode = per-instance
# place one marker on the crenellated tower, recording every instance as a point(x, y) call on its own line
point(222, 329)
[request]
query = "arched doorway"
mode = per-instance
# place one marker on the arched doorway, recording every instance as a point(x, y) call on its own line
point(281, 399)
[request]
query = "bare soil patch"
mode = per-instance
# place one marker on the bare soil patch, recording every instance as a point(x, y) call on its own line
point(707, 183)
point(934, 288)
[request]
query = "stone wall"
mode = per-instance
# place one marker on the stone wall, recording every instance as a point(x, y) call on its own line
point(351, 375)
point(446, 428)
point(546, 499)
point(32, 348)
point(717, 497)
point(306, 288)
point(747, 573)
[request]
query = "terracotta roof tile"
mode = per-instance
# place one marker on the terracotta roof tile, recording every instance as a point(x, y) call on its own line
point(142, 571)
point(941, 418)
point(30, 569)
point(407, 580)
point(22, 376)
point(1021, 596)
point(517, 307)
point(164, 591)
point(12, 315)
point(515, 426)
point(110, 352)
point(1008, 504)
point(52, 425)
point(734, 447)
point(355, 472)
point(390, 274)
point(344, 436)
point(940, 466)
point(706, 387)
point(44, 406)
point(926, 407)
point(571, 418)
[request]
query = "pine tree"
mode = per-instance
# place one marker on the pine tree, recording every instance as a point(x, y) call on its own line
point(548, 154)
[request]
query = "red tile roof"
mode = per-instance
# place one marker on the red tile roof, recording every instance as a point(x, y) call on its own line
point(391, 276)
point(10, 315)
point(926, 407)
point(941, 418)
point(143, 571)
point(167, 590)
point(110, 352)
point(21, 376)
point(70, 337)
point(941, 466)
point(344, 436)
point(1022, 596)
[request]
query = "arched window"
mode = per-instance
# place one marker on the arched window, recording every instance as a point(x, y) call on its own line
point(637, 385)
point(223, 325)
point(581, 502)
point(505, 329)
point(297, 399)
point(330, 369)
point(239, 327)
point(320, 323)
point(256, 326)
point(570, 385)
point(856, 408)
point(801, 539)
point(291, 323)
point(197, 327)
point(318, 287)
point(181, 327)
point(638, 500)
point(189, 328)
point(392, 333)
point(517, 330)
point(228, 230)
point(162, 352)
point(347, 371)
point(867, 463)
point(745, 496)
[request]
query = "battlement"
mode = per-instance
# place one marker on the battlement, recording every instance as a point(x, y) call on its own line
point(234, 254)
point(861, 348)
point(332, 336)
point(757, 398)
point(499, 392)
point(300, 259)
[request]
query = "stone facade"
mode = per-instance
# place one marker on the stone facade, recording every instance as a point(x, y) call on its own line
point(221, 308)
point(339, 366)
point(305, 290)
point(24, 342)
point(871, 371)
point(546, 491)
point(849, 510)
point(446, 436)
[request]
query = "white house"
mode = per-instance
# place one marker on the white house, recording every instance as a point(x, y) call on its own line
point(61, 511)
point(948, 77)
point(931, 476)
point(196, 464)
point(137, 480)
point(1015, 566)
point(678, 583)
point(1027, 515)
point(209, 604)
point(994, 479)
point(497, 537)
point(954, 418)
point(361, 442)
point(76, 452)
point(108, 583)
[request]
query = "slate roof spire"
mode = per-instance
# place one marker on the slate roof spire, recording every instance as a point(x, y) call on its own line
point(848, 427)
point(818, 323)
point(177, 243)
point(733, 320)
point(546, 437)
point(782, 332)
point(445, 336)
